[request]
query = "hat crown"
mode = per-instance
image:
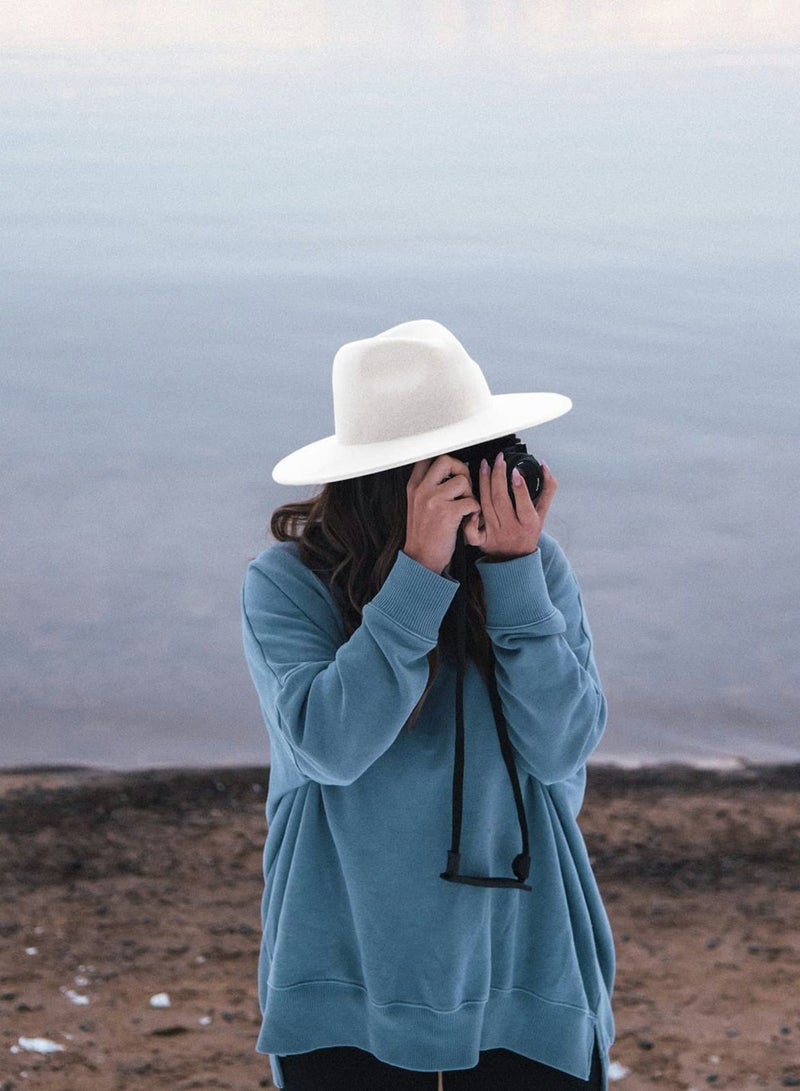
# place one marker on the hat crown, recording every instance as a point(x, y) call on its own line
point(412, 378)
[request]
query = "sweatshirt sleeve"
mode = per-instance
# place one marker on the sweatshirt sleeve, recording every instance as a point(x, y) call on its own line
point(546, 674)
point(338, 705)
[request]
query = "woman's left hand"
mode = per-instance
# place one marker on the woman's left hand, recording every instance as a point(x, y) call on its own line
point(502, 529)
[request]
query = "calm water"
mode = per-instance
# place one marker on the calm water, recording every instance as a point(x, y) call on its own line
point(196, 211)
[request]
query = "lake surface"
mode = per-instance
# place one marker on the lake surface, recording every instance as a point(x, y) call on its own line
point(197, 210)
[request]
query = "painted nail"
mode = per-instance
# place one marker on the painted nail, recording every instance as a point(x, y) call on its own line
point(516, 477)
point(484, 466)
point(499, 460)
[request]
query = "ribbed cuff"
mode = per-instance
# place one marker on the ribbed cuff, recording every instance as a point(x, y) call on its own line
point(415, 597)
point(516, 592)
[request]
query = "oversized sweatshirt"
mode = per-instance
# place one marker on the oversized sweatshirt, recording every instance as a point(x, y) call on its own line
point(364, 944)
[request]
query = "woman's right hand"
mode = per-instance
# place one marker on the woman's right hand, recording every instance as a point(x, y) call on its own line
point(439, 497)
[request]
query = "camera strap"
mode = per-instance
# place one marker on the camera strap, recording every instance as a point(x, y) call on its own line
point(521, 864)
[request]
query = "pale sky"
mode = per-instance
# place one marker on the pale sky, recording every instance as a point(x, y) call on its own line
point(545, 25)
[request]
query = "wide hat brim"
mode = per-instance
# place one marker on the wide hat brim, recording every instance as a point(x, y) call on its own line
point(329, 459)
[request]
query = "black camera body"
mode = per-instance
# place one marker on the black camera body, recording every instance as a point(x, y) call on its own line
point(516, 455)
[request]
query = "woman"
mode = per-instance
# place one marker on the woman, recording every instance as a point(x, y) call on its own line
point(425, 670)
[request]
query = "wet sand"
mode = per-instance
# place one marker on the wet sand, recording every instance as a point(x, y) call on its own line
point(120, 887)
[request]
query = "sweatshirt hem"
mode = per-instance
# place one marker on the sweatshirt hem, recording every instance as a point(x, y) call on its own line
point(326, 1014)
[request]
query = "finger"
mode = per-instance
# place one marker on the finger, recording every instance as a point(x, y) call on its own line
point(446, 466)
point(547, 493)
point(504, 509)
point(460, 512)
point(485, 490)
point(474, 533)
point(454, 487)
point(527, 512)
point(418, 473)
point(469, 507)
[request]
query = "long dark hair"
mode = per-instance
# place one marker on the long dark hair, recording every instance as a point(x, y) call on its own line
point(350, 535)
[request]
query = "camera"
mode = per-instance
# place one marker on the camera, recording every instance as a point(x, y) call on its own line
point(516, 455)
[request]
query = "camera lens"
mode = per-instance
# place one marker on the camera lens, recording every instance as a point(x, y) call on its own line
point(530, 469)
point(515, 454)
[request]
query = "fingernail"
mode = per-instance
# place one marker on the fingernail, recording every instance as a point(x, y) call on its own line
point(516, 477)
point(484, 466)
point(499, 458)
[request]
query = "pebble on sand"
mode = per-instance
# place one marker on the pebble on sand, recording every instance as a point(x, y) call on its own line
point(39, 1045)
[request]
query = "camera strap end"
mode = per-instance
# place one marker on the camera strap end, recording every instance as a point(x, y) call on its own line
point(453, 865)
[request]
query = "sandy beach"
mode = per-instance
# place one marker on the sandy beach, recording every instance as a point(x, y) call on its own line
point(129, 927)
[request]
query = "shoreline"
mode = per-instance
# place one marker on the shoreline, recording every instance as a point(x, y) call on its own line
point(773, 774)
point(45, 793)
point(120, 886)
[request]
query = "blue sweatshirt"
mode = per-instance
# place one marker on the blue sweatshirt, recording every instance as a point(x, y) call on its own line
point(364, 944)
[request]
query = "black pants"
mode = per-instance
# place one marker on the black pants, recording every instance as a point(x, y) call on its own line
point(345, 1069)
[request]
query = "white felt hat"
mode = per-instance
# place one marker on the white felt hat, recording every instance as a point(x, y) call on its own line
point(409, 393)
